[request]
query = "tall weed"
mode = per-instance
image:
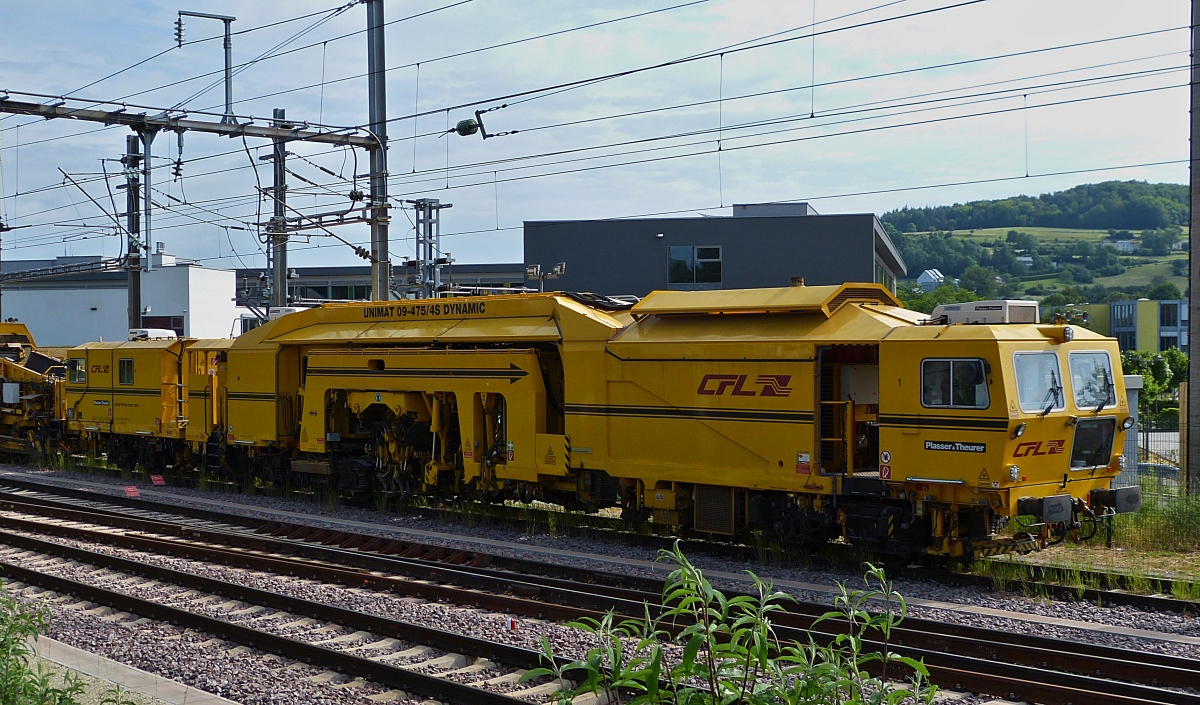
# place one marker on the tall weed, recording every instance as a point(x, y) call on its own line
point(1166, 522)
point(20, 681)
point(705, 648)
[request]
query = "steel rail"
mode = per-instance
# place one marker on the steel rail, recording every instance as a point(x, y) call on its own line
point(1141, 667)
point(382, 626)
point(794, 626)
point(467, 592)
point(1138, 666)
point(392, 676)
point(518, 518)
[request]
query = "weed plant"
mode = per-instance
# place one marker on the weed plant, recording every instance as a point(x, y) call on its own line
point(20, 682)
point(705, 648)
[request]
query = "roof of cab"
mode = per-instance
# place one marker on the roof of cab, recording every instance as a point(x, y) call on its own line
point(528, 317)
point(129, 345)
point(825, 300)
point(1008, 332)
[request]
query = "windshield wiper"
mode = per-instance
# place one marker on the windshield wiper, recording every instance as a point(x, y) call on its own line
point(1109, 388)
point(1052, 394)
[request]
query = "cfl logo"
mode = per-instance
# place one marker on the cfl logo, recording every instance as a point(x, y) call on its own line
point(734, 385)
point(1028, 448)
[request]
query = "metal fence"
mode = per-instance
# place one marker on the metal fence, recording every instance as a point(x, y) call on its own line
point(1158, 457)
point(1170, 518)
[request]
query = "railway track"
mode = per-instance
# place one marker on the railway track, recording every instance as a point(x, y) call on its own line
point(961, 658)
point(409, 657)
point(1113, 590)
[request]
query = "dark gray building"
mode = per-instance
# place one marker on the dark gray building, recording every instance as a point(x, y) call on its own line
point(763, 245)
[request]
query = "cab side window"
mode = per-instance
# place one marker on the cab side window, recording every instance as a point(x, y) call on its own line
point(77, 370)
point(952, 383)
point(125, 370)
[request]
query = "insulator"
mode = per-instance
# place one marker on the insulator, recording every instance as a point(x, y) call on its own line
point(467, 127)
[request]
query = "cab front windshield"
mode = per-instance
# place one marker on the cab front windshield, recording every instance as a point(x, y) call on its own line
point(1039, 382)
point(1092, 380)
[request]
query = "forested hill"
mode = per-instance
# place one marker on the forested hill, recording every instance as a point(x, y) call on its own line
point(1121, 205)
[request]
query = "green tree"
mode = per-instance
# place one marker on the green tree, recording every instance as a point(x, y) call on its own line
point(1163, 291)
point(981, 280)
point(918, 299)
point(1159, 242)
point(1023, 241)
point(1115, 205)
point(1177, 363)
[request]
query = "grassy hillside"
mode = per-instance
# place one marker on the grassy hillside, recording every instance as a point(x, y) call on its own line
point(1141, 270)
point(1042, 234)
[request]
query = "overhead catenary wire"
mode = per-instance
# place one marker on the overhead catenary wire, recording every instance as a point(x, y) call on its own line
point(527, 93)
point(814, 137)
point(1076, 100)
point(830, 196)
point(404, 180)
point(187, 43)
point(496, 180)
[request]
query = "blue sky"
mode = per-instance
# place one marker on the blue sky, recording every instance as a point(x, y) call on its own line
point(1099, 105)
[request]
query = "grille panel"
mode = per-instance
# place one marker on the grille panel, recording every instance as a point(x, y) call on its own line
point(714, 509)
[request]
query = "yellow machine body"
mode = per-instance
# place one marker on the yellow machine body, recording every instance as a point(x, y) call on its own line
point(804, 413)
point(32, 400)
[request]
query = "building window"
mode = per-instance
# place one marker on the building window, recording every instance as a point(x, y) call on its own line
point(883, 276)
point(1124, 315)
point(77, 371)
point(1126, 340)
point(694, 265)
point(1167, 342)
point(125, 370)
point(360, 293)
point(1168, 315)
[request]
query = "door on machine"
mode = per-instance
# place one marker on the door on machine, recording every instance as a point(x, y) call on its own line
point(847, 423)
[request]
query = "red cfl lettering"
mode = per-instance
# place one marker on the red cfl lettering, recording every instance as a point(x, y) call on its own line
point(1034, 448)
point(719, 384)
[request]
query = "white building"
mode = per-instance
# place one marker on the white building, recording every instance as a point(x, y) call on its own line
point(931, 279)
point(1125, 245)
point(183, 296)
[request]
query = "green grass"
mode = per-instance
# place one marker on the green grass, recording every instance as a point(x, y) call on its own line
point(1143, 274)
point(1042, 234)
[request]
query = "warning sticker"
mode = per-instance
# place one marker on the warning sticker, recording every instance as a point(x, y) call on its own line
point(885, 472)
point(550, 459)
point(885, 457)
point(984, 478)
point(803, 464)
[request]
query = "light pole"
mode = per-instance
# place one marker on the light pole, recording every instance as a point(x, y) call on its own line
point(534, 271)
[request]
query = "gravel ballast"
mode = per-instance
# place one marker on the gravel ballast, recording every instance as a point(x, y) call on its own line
point(625, 558)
